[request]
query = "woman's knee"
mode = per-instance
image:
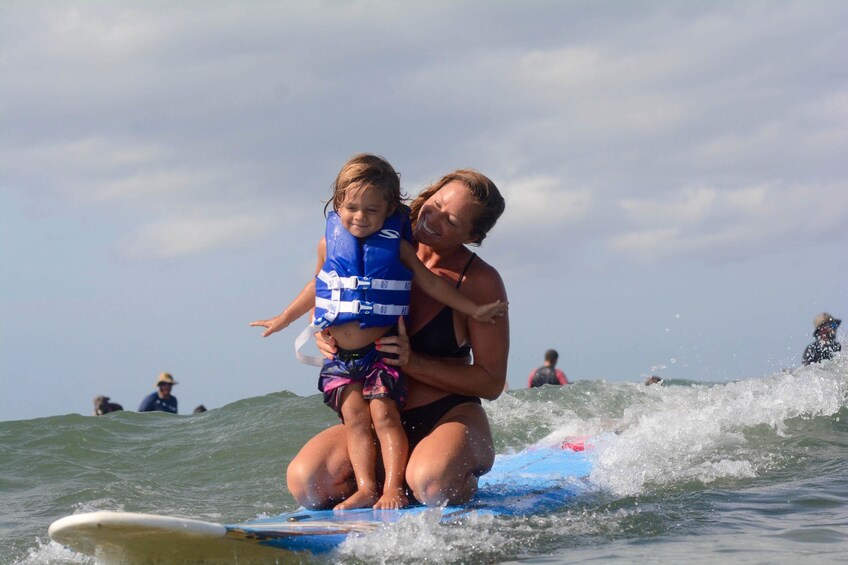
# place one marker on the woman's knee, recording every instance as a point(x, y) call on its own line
point(445, 465)
point(312, 488)
point(431, 490)
point(435, 482)
point(424, 484)
point(297, 480)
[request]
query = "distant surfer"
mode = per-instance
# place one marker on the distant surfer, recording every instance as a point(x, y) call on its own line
point(103, 405)
point(825, 345)
point(161, 400)
point(450, 440)
point(547, 374)
point(366, 265)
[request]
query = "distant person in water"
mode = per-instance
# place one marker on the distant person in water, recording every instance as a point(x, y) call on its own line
point(200, 409)
point(103, 406)
point(653, 380)
point(161, 400)
point(547, 374)
point(825, 345)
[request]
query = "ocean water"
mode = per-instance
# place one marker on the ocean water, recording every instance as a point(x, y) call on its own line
point(751, 471)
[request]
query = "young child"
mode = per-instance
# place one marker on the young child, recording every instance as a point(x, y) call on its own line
point(363, 277)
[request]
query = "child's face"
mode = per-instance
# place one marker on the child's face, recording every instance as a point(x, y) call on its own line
point(363, 211)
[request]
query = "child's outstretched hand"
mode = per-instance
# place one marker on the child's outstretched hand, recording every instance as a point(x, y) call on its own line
point(271, 326)
point(488, 312)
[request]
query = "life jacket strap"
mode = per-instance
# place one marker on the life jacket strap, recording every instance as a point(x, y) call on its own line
point(359, 307)
point(333, 281)
point(301, 340)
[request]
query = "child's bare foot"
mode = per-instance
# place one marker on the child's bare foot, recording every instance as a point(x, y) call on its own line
point(360, 499)
point(392, 500)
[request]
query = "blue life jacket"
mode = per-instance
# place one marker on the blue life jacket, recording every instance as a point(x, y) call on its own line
point(363, 280)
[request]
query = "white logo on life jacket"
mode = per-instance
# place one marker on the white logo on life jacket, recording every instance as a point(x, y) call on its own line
point(389, 234)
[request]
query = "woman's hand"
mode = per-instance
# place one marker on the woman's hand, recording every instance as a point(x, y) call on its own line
point(325, 344)
point(397, 345)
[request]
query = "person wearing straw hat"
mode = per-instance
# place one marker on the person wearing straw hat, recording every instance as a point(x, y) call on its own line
point(825, 345)
point(161, 400)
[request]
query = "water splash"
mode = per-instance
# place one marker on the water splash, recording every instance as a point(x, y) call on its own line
point(710, 433)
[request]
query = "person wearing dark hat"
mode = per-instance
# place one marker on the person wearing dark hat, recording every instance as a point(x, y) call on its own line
point(825, 345)
point(547, 374)
point(161, 400)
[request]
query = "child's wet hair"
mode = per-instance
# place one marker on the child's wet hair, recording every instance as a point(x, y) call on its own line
point(366, 170)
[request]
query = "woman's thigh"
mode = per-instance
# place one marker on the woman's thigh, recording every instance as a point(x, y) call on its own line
point(445, 465)
point(321, 474)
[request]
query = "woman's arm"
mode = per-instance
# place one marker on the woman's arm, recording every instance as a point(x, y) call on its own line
point(486, 376)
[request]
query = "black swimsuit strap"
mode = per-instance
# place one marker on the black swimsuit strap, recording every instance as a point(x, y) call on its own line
point(465, 270)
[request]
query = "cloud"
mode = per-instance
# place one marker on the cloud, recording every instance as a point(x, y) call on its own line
point(709, 222)
point(543, 201)
point(180, 237)
point(611, 122)
point(102, 168)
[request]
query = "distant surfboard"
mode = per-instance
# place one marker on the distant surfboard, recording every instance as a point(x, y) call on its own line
point(537, 480)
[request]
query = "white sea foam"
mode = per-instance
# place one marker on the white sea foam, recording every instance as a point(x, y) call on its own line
point(699, 433)
point(424, 539)
point(52, 553)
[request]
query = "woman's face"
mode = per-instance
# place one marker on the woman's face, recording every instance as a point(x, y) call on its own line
point(447, 218)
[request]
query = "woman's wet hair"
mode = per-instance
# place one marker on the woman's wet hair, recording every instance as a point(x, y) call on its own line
point(482, 190)
point(366, 170)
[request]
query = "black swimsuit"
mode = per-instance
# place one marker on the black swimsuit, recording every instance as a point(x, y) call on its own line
point(438, 339)
point(438, 336)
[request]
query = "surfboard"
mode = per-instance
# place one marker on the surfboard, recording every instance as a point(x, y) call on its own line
point(535, 481)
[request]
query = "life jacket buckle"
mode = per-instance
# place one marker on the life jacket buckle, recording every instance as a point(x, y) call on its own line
point(360, 307)
point(363, 283)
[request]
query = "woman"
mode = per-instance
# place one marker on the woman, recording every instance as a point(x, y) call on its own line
point(449, 436)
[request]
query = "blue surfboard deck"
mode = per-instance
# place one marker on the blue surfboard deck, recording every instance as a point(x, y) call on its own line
point(536, 481)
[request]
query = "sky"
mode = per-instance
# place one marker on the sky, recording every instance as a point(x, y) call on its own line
point(675, 175)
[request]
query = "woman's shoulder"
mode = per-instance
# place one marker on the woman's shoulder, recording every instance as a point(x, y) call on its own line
point(482, 268)
point(482, 275)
